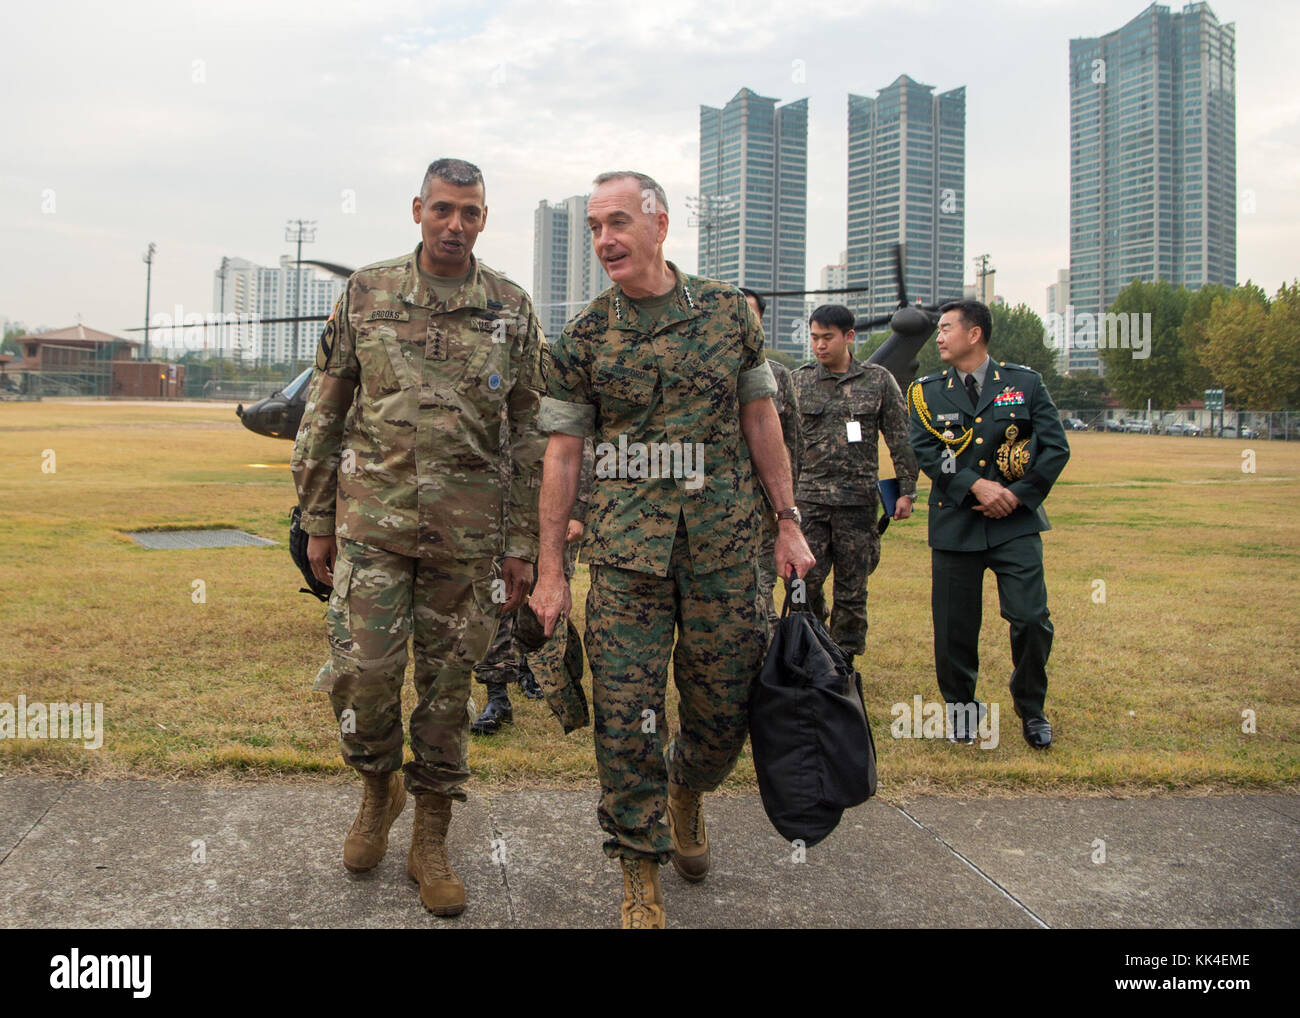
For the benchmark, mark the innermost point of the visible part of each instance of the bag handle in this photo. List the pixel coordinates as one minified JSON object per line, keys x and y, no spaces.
{"x":789,"y":581}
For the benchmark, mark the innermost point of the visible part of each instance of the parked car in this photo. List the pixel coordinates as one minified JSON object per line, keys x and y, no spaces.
{"x":1109,"y":425}
{"x":1073,"y":424}
{"x":1187,"y":428}
{"x":1136,"y":427}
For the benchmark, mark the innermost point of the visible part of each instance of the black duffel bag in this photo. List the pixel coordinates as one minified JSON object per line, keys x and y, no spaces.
{"x":813,"y":750}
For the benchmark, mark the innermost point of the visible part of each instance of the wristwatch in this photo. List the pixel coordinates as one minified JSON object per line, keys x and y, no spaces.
{"x":791,"y":514}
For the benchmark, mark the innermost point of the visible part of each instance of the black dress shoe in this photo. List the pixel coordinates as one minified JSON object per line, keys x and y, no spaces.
{"x":1038,"y":732}
{"x":528,"y":683}
{"x":497,"y":712}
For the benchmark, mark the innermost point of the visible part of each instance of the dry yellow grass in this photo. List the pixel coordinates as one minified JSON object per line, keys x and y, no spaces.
{"x":1147,"y":689}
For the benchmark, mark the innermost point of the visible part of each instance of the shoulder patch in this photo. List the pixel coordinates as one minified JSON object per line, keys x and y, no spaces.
{"x":326,"y":348}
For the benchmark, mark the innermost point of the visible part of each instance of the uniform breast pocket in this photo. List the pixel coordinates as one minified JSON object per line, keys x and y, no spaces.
{"x":627,"y":388}
{"x":863,"y":404}
{"x":1014,"y":415}
{"x":485,"y":373}
{"x":812,"y":409}
{"x":375,"y":346}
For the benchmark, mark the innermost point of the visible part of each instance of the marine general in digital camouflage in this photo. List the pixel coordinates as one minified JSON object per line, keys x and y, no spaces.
{"x":399,"y":455}
{"x":666,"y":371}
{"x":845,"y":404}
{"x":787,"y":409}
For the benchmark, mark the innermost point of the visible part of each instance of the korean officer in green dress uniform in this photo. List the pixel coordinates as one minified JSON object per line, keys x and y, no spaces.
{"x":990,"y":439}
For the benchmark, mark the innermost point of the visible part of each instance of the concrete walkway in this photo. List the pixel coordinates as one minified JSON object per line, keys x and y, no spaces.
{"x":185,"y":854}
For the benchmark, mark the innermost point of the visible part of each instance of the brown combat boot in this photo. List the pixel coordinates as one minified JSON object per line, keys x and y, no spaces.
{"x":690,"y":839}
{"x":382,"y":800}
{"x":440,"y":889}
{"x":643,"y":899}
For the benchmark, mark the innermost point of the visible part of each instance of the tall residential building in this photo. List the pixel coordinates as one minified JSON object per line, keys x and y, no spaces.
{"x":259,"y":292}
{"x":566,"y":272}
{"x":835,"y":277}
{"x":907,"y":182}
{"x":753,"y":205}
{"x":1058,"y":299}
{"x":1153,"y":171}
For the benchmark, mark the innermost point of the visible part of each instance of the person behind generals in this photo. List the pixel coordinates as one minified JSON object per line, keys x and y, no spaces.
{"x":670,"y":364}
{"x":844,"y":405}
{"x":990,"y":439}
{"x":425,"y":358}
{"x":787,"y":409}
{"x":505,"y":661}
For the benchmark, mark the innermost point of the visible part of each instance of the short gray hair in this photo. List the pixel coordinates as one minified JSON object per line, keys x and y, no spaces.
{"x":645,"y":182}
{"x":452,"y":171}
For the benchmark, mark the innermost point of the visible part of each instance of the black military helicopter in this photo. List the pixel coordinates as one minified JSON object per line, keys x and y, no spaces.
{"x":911,"y":325}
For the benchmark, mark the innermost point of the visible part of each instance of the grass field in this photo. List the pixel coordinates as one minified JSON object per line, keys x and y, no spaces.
{"x":1148,"y":688}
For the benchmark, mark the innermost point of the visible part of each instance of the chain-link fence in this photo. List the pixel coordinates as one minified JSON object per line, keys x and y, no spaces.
{"x":1282,"y":425}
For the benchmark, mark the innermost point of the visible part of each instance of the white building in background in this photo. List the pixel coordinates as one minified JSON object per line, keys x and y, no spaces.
{"x":566,"y":272}
{"x":253,"y":293}
{"x":836,"y":277}
{"x":1058,"y":299}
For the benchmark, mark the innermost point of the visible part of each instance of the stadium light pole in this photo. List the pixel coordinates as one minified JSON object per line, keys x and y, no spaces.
{"x":221,"y":317}
{"x":300,"y":230}
{"x":148,"y":284}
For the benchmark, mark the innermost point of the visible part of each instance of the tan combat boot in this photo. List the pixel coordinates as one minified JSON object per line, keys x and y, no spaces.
{"x":643,"y":900}
{"x":382,"y":800}
{"x":690,"y":839}
{"x":440,"y":889}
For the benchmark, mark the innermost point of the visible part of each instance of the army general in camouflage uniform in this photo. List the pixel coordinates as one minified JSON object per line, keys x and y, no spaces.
{"x":844,"y":405}
{"x":398,"y":456}
{"x":787,"y":409}
{"x":666,"y":371}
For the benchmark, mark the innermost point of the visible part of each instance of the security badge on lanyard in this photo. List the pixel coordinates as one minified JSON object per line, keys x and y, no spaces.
{"x":851,"y":427}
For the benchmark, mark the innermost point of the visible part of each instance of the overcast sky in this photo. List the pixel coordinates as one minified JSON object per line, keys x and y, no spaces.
{"x":204,"y":127}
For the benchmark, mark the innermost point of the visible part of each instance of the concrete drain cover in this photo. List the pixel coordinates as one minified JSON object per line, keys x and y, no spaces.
{"x":196,"y":539}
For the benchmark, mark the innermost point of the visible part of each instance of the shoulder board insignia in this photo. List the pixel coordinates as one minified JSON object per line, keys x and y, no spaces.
{"x":388,"y":315}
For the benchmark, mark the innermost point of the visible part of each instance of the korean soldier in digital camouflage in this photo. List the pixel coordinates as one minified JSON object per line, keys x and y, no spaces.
{"x":425,"y":358}
{"x":990,"y":439}
{"x":505,"y":662}
{"x":787,"y":409}
{"x":844,"y":405}
{"x":666,"y":371}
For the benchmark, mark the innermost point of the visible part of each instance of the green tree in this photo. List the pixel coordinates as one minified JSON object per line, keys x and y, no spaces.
{"x":1081,"y":390}
{"x":1252,"y":347}
{"x":1199,"y":303}
{"x":9,"y":344}
{"x":1161,"y":376}
{"x":1018,"y":338}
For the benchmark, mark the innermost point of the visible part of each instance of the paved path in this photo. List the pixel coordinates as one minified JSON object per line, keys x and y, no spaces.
{"x":153,"y":854}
